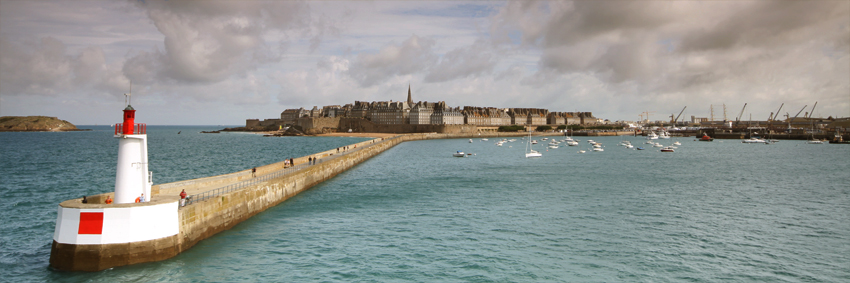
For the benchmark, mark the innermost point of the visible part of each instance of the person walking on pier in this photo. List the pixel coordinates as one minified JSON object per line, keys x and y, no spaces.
{"x":291,"y":162}
{"x":254,"y":172}
{"x":183,"y":198}
{"x":85,"y":200}
{"x":108,"y":200}
{"x":310,"y":160}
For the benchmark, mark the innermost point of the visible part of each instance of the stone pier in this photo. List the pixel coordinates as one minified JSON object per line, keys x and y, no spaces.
{"x":218,"y":203}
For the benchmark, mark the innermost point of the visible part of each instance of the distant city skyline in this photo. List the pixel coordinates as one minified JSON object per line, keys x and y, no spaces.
{"x":221,"y":62}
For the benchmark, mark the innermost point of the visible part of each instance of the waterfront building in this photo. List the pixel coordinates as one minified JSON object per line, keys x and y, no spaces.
{"x":485,"y":116}
{"x":383,"y":112}
{"x":420,"y":113}
{"x":315,"y":112}
{"x":528,"y":116}
{"x":290,"y":115}
{"x":360,"y":109}
{"x":445,"y":115}
{"x":332,"y":111}
{"x":566,"y":118}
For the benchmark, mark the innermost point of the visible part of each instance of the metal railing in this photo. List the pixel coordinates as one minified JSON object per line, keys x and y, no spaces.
{"x":274,"y":175}
{"x":138,"y":128}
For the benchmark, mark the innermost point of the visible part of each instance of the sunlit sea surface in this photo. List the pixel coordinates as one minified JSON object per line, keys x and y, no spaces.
{"x":719,"y":211}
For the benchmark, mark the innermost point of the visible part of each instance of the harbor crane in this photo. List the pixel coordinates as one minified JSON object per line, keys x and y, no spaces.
{"x":795,"y":117}
{"x":674,"y":120}
{"x":773,"y":117}
{"x":813,"y":110}
{"x":647,"y":115}
{"x":738,"y":120}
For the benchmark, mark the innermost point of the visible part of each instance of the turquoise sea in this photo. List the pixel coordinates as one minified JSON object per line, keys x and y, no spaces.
{"x":719,"y":211}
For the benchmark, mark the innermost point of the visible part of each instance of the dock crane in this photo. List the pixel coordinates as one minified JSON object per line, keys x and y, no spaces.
{"x":647,"y":115}
{"x":773,"y":117}
{"x":738,"y":120}
{"x":674,"y":120}
{"x":795,"y":117}
{"x":813,"y":110}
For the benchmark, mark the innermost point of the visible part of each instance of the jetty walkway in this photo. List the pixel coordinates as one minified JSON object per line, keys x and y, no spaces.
{"x":218,"y":203}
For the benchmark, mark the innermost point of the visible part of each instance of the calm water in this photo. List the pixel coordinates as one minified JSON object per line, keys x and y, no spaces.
{"x":720,"y":211}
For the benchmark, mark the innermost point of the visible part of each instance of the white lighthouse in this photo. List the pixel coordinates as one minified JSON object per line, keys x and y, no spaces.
{"x":132,"y":178}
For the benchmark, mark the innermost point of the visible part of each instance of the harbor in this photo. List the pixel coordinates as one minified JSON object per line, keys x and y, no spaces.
{"x":435,"y":219}
{"x":213,"y":204}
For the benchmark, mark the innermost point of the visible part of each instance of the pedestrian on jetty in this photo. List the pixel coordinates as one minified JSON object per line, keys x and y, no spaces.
{"x":108,"y":200}
{"x":292,"y":162}
{"x":183,"y":198}
{"x":254,"y":172}
{"x":85,"y":200}
{"x":310,"y":160}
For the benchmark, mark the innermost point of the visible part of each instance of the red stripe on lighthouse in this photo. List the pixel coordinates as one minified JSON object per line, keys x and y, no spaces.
{"x":91,"y":223}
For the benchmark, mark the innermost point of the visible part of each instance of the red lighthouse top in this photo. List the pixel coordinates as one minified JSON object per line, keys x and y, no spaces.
{"x":129,"y":120}
{"x":129,"y":127}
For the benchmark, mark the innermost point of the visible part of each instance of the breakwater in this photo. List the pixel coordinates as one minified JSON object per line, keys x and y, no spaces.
{"x":215,"y":204}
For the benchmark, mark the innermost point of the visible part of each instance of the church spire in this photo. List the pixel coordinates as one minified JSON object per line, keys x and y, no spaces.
{"x":409,"y":99}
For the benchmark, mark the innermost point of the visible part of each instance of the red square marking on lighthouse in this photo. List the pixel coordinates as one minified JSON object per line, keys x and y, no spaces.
{"x":91,"y":223}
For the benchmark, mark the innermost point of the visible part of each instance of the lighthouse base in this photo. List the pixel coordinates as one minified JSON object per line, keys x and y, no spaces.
{"x":72,"y":257}
{"x":97,"y":236}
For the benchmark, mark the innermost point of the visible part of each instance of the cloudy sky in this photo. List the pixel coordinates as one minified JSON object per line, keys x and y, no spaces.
{"x":221,"y":62}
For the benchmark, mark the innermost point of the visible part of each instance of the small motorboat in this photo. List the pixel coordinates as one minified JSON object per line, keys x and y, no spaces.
{"x":459,"y":154}
{"x":639,"y":148}
{"x":470,"y":140}
{"x":598,"y":149}
{"x":667,"y":149}
{"x":581,"y":151}
{"x":753,"y":140}
{"x":705,"y":137}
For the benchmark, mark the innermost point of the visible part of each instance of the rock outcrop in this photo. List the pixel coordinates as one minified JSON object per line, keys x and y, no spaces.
{"x":35,"y":124}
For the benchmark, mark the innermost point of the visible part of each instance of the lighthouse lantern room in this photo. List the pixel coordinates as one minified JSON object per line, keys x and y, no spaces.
{"x":132,"y":178}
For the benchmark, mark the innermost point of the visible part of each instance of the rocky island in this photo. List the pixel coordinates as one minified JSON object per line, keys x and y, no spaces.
{"x":35,"y":124}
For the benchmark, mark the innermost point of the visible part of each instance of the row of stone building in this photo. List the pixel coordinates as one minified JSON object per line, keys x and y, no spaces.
{"x":434,"y":113}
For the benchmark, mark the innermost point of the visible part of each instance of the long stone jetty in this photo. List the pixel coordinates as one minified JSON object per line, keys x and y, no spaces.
{"x":218,"y":203}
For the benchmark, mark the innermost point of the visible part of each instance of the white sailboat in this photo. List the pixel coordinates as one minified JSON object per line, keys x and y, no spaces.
{"x":529,"y":151}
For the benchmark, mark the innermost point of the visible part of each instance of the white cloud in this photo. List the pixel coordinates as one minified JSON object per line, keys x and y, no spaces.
{"x":462,"y":63}
{"x":412,"y":56}
{"x":220,"y":62}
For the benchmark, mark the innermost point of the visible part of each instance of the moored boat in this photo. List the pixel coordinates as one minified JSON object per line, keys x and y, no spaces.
{"x":753,"y":140}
